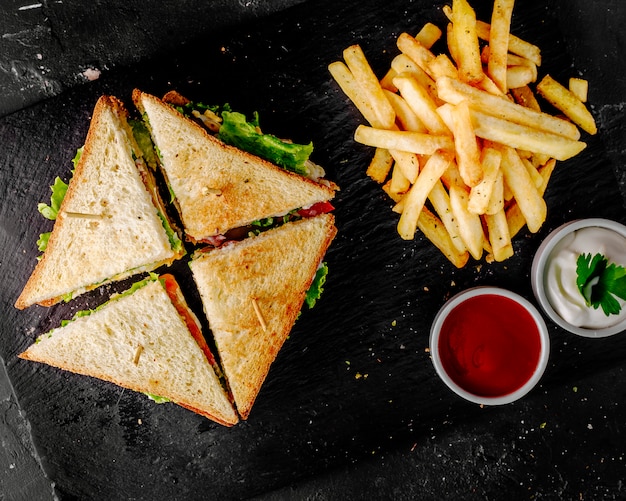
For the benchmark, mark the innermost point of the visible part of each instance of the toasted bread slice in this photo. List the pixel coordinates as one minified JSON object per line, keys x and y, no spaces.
{"x":108,"y":226}
{"x":219,"y":187}
{"x":252,"y":292}
{"x":142,"y":340}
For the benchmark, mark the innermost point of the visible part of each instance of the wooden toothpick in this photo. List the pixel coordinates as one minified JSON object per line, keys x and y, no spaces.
{"x":138,"y":353}
{"x":82,"y":215}
{"x":259,"y":314}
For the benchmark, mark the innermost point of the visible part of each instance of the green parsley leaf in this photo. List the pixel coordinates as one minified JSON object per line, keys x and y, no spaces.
{"x":600,"y":282}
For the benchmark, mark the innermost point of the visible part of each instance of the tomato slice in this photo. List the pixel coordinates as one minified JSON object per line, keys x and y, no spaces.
{"x":173,"y":290}
{"x":316,"y":209}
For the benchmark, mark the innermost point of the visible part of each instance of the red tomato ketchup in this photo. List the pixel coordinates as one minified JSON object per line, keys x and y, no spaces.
{"x":489,"y":345}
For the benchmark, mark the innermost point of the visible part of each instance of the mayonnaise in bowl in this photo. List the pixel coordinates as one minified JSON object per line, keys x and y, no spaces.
{"x":554,"y":275}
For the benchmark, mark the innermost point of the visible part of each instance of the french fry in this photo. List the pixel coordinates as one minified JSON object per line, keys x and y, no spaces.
{"x":380,"y":165}
{"x":514,"y":216}
{"x":470,"y":225}
{"x":421,"y":103}
{"x":452,"y":177}
{"x":499,"y":236}
{"x":415,"y":142}
{"x":538,"y":159}
{"x":532,"y":172}
{"x":396,"y":197}
{"x":579,"y":87}
{"x":454,"y":91}
{"x":496,"y":200}
{"x":428,"y":35}
{"x":440,"y":201}
{"x":563,"y":99}
{"x":406,"y":117}
{"x":452,"y":43}
{"x":519,"y":76}
{"x":402,"y":64}
{"x":499,"y":42}
{"x":514,"y":219}
{"x":418,"y":193}
{"x":516,"y":45}
{"x":507,"y":194}
{"x":480,"y":195}
{"x":408,"y":163}
{"x":446,"y":113}
{"x":387,"y":81}
{"x":524,"y":96}
{"x":342,"y":75}
{"x":466,"y":41}
{"x":369,"y":84}
{"x":419,"y":54}
{"x":442,"y":66}
{"x":469,"y":153}
{"x":399,"y":184}
{"x":546,"y":171}
{"x":488,"y":85}
{"x":512,"y":60}
{"x":527,"y":196}
{"x":466,"y":147}
{"x":434,"y":230}
{"x":524,"y":137}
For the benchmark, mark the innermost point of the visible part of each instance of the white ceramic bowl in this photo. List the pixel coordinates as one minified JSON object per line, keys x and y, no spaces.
{"x":507,"y":359}
{"x":538,"y":274}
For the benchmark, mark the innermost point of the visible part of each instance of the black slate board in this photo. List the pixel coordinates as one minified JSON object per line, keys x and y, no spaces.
{"x":354,"y":379}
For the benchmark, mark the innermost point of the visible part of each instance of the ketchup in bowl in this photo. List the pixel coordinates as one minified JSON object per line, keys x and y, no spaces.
{"x":489,"y":345}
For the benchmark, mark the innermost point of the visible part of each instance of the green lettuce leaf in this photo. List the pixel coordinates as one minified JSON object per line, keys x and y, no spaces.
{"x":175,"y":241}
{"x":144,"y":141}
{"x":245,"y":135}
{"x":317,"y":286}
{"x":134,"y":287}
{"x":42,"y":243}
{"x":59,"y":189}
{"x":236,"y":130}
{"x":157,"y":398}
{"x":76,"y":159}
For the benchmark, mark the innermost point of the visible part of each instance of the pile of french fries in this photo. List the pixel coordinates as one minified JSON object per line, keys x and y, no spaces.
{"x":461,"y":144}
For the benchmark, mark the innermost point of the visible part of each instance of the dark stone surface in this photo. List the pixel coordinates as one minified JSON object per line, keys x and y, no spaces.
{"x":352,"y":408}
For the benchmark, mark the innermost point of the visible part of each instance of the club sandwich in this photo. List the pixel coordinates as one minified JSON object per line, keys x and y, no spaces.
{"x":252,"y":292}
{"x":216,"y":185}
{"x":146,"y":339}
{"x":109,"y":224}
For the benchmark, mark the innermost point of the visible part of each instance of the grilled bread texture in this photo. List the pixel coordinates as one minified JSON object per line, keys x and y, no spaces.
{"x":252,"y":292}
{"x":219,"y":187}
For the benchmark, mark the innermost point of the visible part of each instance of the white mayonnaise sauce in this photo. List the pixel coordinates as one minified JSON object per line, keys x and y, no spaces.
{"x":561,"y":288}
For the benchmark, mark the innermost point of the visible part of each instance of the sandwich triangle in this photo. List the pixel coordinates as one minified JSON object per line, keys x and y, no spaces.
{"x":218,"y":187}
{"x":107,"y":227}
{"x":252,"y":292}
